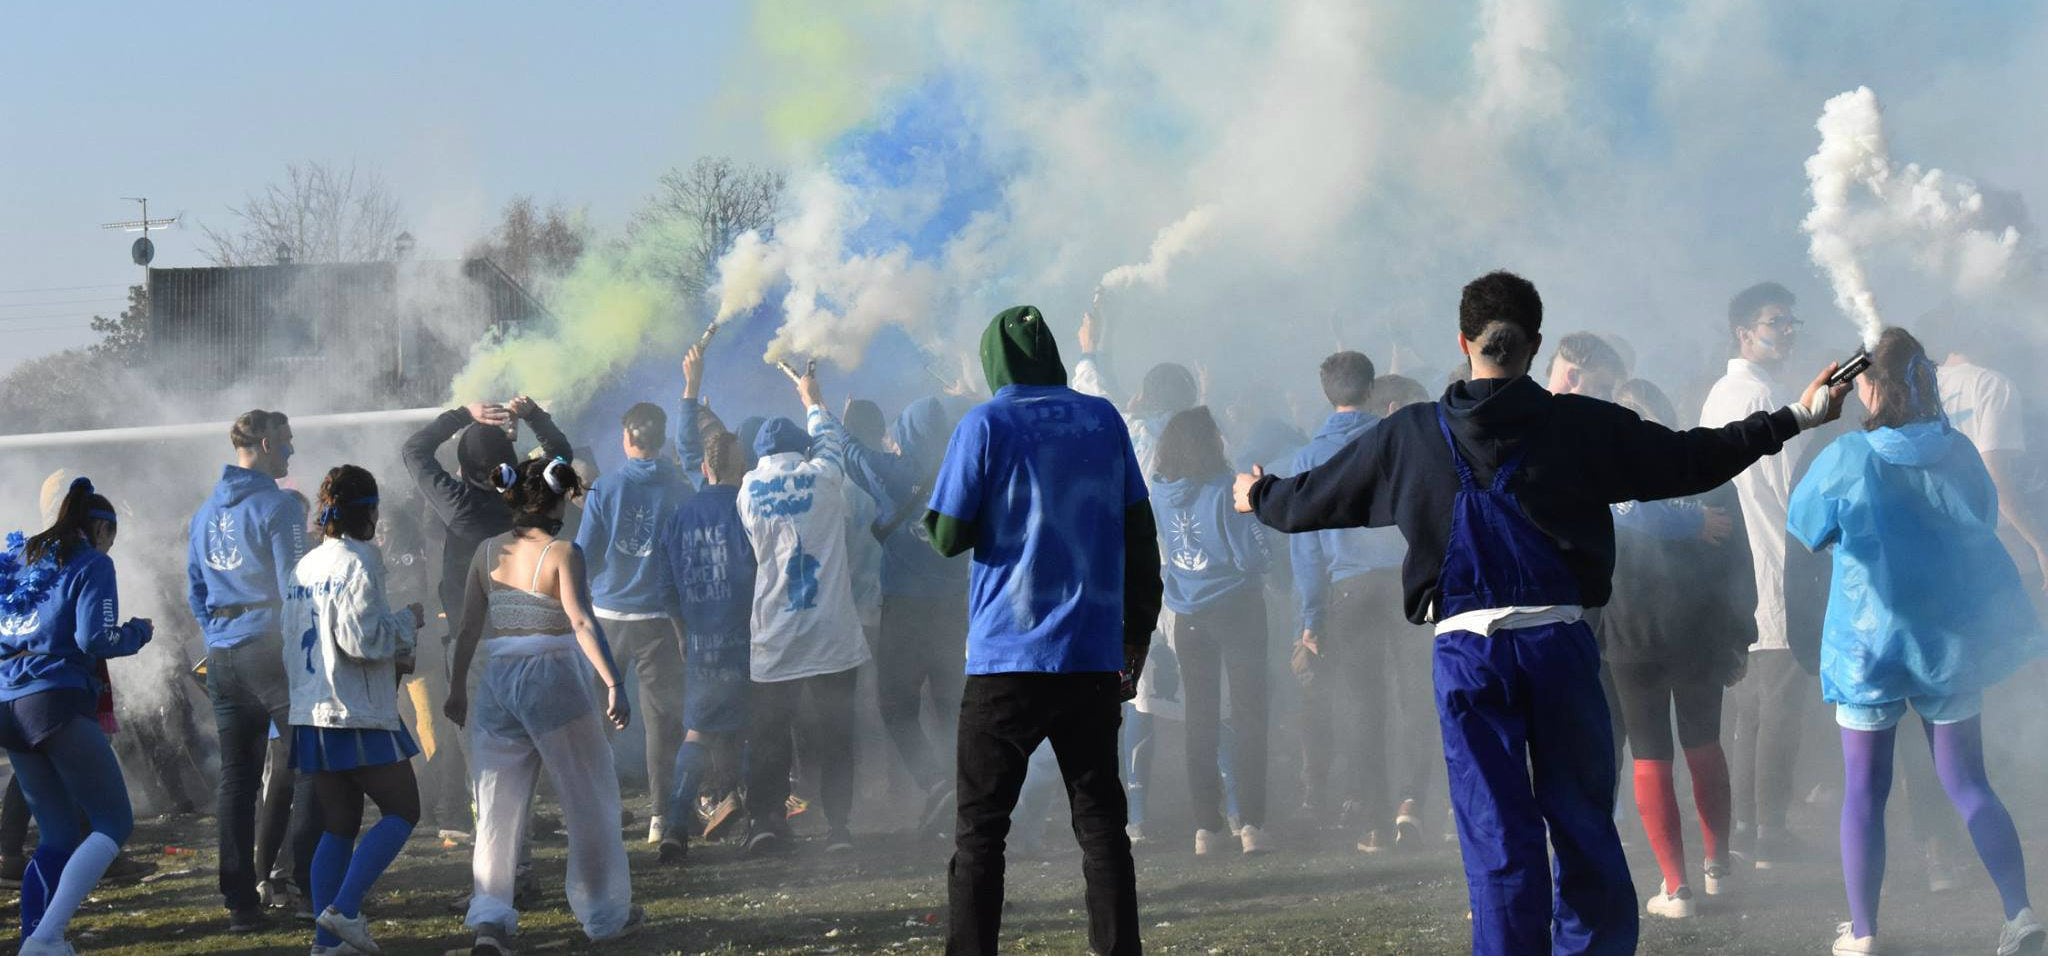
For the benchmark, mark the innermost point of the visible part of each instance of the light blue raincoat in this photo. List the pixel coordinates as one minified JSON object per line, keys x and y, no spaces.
{"x":1924,"y":600}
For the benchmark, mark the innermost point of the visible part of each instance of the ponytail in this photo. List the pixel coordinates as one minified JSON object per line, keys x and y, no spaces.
{"x":81,"y":508}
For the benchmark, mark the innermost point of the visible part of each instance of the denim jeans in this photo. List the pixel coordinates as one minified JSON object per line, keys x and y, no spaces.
{"x":1003,"y":718}
{"x":250,"y":694}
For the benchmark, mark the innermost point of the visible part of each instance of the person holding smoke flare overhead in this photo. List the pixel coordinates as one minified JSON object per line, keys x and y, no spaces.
{"x":1503,"y":492}
{"x":245,"y":541}
{"x":1672,"y":641}
{"x":61,"y":611}
{"x":527,"y":608}
{"x":1042,"y":484}
{"x":1925,"y":612}
{"x":807,"y":638}
{"x":352,"y":651}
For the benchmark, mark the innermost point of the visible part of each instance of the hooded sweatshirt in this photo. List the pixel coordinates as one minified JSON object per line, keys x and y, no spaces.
{"x":343,"y":662}
{"x":1211,"y":549}
{"x":1041,"y":482}
{"x":1582,"y":455}
{"x":622,"y":521}
{"x":467,"y":508}
{"x":244,"y":544}
{"x":1333,"y":555}
{"x":794,"y":506}
{"x":1924,"y":599}
{"x":711,"y":580}
{"x":76,"y":623}
{"x":900,"y":482}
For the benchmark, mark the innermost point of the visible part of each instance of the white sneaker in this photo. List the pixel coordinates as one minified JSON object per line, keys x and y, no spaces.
{"x":37,"y":946}
{"x":2023,"y":935}
{"x":1254,"y":839}
{"x":1714,"y":877}
{"x":657,"y":829}
{"x":355,"y":931}
{"x":1672,"y":904}
{"x":1205,"y":840}
{"x":1846,"y":942}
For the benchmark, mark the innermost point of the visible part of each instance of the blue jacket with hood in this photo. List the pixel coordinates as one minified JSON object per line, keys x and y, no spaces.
{"x":1924,"y":600}
{"x":900,"y":483}
{"x":74,"y":623}
{"x":1333,"y":555}
{"x":623,"y":519}
{"x":245,"y":542}
{"x":1211,"y":549}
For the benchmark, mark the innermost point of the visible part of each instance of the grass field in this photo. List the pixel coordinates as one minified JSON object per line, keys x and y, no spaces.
{"x":1314,"y":895}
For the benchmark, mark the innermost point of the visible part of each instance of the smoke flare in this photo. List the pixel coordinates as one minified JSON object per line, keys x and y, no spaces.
{"x":1171,"y":241}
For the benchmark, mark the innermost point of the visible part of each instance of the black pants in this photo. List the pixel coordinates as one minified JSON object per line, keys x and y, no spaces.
{"x":1646,"y":693}
{"x":922,"y":650}
{"x":654,"y":651}
{"x":1003,"y":718}
{"x":1225,"y":643}
{"x":249,"y":693}
{"x":1391,"y":748}
{"x":1771,"y":703}
{"x":820,"y":709}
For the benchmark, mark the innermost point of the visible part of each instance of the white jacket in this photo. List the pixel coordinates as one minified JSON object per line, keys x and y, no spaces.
{"x":795,"y":510}
{"x":343,"y":640}
{"x":1764,"y":490}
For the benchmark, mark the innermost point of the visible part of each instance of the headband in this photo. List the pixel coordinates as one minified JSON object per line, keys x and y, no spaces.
{"x":104,"y":515}
{"x":333,"y":512}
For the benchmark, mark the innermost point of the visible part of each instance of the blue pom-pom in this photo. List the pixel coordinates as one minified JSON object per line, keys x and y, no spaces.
{"x":16,"y":541}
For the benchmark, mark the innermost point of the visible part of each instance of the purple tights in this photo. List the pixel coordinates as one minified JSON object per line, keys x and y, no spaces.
{"x":1959,"y":762}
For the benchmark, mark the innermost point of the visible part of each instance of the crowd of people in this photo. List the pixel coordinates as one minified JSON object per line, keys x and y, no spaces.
{"x":1023,"y":584}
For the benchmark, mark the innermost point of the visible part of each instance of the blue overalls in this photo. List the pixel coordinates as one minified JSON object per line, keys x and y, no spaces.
{"x":1520,"y":700}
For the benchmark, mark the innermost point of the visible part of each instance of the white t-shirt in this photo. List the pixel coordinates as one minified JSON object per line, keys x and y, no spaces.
{"x":1982,"y":406}
{"x":1764,"y":490}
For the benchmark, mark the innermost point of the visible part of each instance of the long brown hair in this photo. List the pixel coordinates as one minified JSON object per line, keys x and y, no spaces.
{"x":1190,"y":447}
{"x":82,"y":513}
{"x":1904,"y":380}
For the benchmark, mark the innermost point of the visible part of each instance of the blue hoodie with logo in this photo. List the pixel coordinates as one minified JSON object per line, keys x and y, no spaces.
{"x":73,"y":625}
{"x":1333,"y":555}
{"x":246,"y":540}
{"x":1211,"y":549}
{"x":623,"y":519}
{"x":1925,"y":600}
{"x":900,"y":482}
{"x":710,"y":567}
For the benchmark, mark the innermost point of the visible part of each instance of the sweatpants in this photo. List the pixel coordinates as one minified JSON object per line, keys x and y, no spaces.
{"x":533,"y":710}
{"x":653,"y":651}
{"x":819,"y":709}
{"x":1512,"y":703}
{"x":1770,"y":706}
{"x":922,"y":651}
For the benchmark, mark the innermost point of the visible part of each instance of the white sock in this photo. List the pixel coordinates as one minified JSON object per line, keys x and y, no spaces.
{"x":81,"y":875}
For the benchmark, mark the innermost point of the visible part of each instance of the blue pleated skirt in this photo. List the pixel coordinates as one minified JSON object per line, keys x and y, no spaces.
{"x":316,"y":749}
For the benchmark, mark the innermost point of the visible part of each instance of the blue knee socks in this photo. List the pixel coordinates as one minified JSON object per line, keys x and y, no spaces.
{"x":330,"y":863}
{"x":344,"y":870}
{"x":691,"y":761}
{"x":39,"y":882}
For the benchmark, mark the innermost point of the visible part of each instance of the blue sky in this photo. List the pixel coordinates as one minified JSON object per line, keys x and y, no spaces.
{"x":457,"y":106}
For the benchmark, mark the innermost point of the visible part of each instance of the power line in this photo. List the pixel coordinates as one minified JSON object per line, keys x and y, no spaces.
{"x":4,"y":320}
{"x":66,"y":302}
{"x":64,"y":289}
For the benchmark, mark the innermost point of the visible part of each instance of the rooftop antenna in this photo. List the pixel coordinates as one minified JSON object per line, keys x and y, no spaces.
{"x":143,"y":251}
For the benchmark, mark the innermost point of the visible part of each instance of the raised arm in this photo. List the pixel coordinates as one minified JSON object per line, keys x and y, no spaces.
{"x":444,"y":493}
{"x":553,"y":444}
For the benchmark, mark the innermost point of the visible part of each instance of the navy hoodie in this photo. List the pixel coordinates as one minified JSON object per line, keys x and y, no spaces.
{"x":58,"y":644}
{"x":1583,"y":455}
{"x":623,"y":518}
{"x":900,"y":483}
{"x":1211,"y":550}
{"x":1333,"y":555}
{"x":710,"y":568}
{"x":245,"y":542}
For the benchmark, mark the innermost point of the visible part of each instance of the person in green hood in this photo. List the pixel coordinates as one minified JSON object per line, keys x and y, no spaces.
{"x":1041,"y":483}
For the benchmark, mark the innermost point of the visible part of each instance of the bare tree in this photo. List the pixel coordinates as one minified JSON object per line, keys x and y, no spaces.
{"x":703,"y":210}
{"x":319,"y":214}
{"x":535,"y":246}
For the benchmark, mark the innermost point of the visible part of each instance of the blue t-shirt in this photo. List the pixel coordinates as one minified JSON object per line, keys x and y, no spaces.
{"x":1044,"y":475}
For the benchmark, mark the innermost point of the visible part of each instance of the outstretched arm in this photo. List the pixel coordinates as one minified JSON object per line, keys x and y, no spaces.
{"x":1648,"y":461}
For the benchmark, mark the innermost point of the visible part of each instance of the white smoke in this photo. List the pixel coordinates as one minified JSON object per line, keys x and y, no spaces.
{"x":1172,"y":240}
{"x":1862,"y":203}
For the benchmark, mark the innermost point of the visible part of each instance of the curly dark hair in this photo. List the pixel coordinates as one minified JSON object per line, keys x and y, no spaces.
{"x":534,"y":489}
{"x":348,"y":503}
{"x":1501,"y":314}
